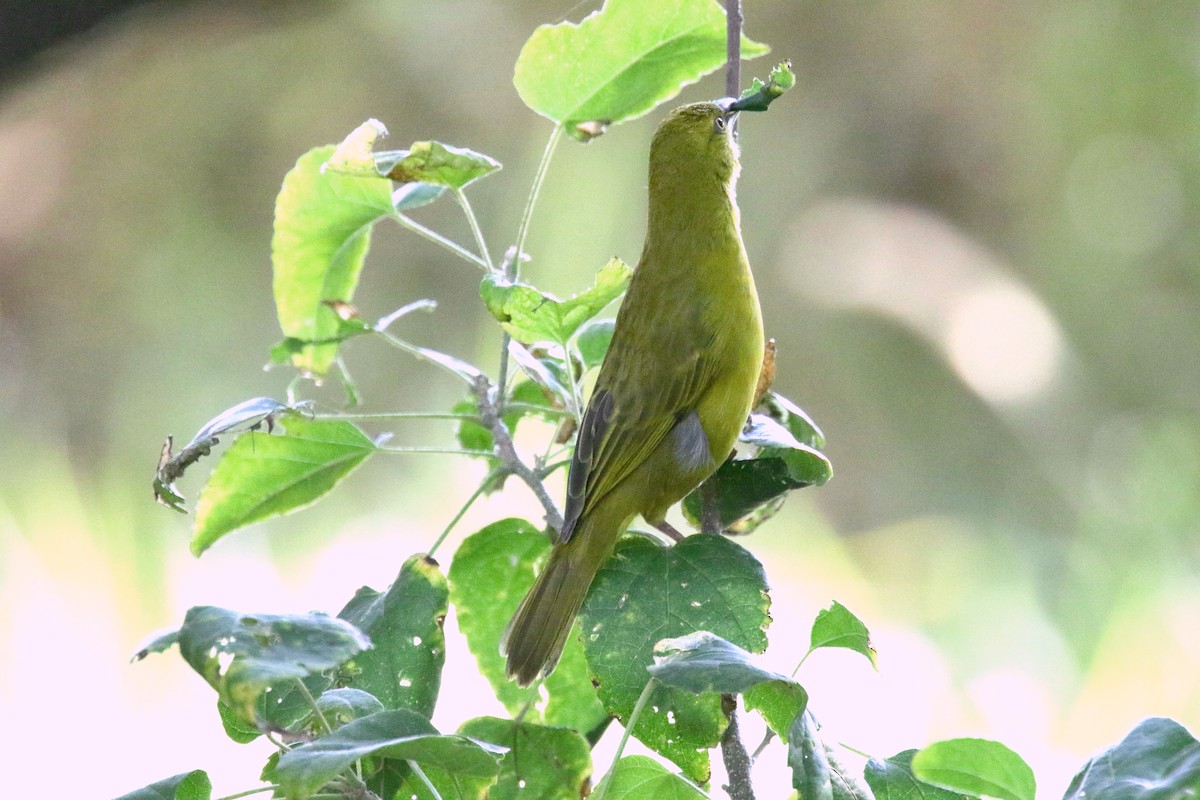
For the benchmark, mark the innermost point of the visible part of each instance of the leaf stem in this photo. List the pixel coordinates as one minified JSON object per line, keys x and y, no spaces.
{"x":312,"y":703}
{"x":249,"y":792}
{"x":638,"y":707}
{"x":461,"y":197}
{"x":442,"y":451}
{"x":420,"y":773}
{"x":513,"y":265}
{"x":437,"y":238}
{"x":462,"y":511}
{"x":385,"y":322}
{"x":401,"y":415}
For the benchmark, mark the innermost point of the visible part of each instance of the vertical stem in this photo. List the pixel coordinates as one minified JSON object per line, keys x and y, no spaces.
{"x":642,"y":700}
{"x":733,"y":47}
{"x":513,"y":269}
{"x":710,"y":515}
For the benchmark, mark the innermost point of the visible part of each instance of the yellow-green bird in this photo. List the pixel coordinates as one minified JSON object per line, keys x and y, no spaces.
{"x":677,"y":383}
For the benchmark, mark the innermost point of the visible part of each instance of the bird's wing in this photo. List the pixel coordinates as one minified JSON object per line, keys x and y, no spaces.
{"x":627,"y":417}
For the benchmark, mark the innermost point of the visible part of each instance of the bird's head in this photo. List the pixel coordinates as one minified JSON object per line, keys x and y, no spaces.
{"x":697,"y":136}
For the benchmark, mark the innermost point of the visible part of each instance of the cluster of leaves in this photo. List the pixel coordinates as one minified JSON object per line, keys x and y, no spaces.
{"x":668,"y":635}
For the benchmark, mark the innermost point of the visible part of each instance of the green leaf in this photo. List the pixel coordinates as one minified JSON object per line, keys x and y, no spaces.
{"x":837,"y":627}
{"x":396,"y":780}
{"x":240,"y":655}
{"x":323,"y":224}
{"x":415,"y":195}
{"x":794,"y":418}
{"x":648,"y":592}
{"x":702,"y":662}
{"x":760,"y":95}
{"x":779,"y":702}
{"x":817,"y":774}
{"x":806,"y":465}
{"x":287,"y":349}
{"x":491,"y":572}
{"x":542,"y":762}
{"x":235,"y":727}
{"x":193,"y":785}
{"x":262,"y":475}
{"x":975,"y":766}
{"x":157,"y":643}
{"x":544,"y":365}
{"x":435,"y":164}
{"x":530,"y":315}
{"x":341,"y":706}
{"x":748,"y":492}
{"x":1158,"y":760}
{"x":404,"y":668}
{"x":395,"y":734}
{"x":894,"y":780}
{"x":639,"y":778}
{"x":622,"y":61}
{"x":593,"y":340}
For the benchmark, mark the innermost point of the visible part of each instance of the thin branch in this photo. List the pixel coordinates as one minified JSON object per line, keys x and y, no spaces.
{"x":512,"y":266}
{"x":462,"y":511}
{"x":420,"y":773}
{"x":461,"y":197}
{"x":733,"y":47}
{"x":437,"y":238}
{"x":638,"y":707}
{"x":489,"y":416}
{"x":733,"y":753}
{"x":758,"y":751}
{"x":710,"y":515}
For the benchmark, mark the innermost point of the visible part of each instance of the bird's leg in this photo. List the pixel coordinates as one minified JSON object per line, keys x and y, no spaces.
{"x":668,"y":529}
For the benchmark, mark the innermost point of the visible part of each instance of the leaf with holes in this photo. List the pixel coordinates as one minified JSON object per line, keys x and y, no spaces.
{"x":543,"y":762}
{"x":240,"y":655}
{"x":648,"y":592}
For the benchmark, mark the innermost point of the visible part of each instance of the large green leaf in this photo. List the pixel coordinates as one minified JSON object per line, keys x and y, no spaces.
{"x":979,"y":767}
{"x":1158,"y":760}
{"x":836,"y":626}
{"x":491,"y":572}
{"x":542,"y":762}
{"x":648,"y":592}
{"x":779,"y":702}
{"x":396,"y":734}
{"x":263,"y":475}
{"x":893,"y":779}
{"x":193,"y":785}
{"x":639,"y":778}
{"x":240,"y":655}
{"x":404,"y":668}
{"x":323,"y":222}
{"x":531,"y":315}
{"x":621,"y":61}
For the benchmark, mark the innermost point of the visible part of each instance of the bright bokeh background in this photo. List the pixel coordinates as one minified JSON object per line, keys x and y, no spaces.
{"x":974,"y":229}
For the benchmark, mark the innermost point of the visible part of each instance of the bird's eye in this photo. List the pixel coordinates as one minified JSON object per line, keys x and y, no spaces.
{"x":719,"y":125}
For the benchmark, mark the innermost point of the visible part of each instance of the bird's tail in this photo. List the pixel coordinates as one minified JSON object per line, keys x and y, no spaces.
{"x":535,"y":637}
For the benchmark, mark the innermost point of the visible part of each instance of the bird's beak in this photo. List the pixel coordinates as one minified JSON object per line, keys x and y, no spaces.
{"x":729,"y":106}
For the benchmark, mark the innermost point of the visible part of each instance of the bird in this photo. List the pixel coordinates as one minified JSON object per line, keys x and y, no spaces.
{"x":675,"y":387}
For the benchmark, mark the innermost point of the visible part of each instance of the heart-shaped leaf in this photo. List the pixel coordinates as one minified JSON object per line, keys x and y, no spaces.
{"x":622,"y":61}
{"x":648,"y":592}
{"x":639,"y":777}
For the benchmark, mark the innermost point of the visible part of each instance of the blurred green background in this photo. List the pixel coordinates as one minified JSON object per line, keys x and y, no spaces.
{"x":974,"y":230}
